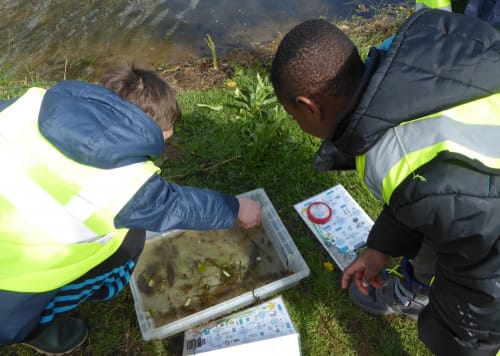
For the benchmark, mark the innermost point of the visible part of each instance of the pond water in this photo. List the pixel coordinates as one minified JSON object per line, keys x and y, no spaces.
{"x":53,"y":37}
{"x":188,"y":271}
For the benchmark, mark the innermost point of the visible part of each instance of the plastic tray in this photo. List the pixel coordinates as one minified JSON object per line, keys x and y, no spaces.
{"x":286,"y":250}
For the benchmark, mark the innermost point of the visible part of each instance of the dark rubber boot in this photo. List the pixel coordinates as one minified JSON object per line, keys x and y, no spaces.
{"x":392,"y":298}
{"x":405,"y":296}
{"x":59,"y":337}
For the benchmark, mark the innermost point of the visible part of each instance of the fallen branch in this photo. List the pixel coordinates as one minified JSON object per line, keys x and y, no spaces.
{"x":204,"y":169}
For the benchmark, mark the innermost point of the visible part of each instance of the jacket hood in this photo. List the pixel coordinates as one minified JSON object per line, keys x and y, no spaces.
{"x":437,"y":60}
{"x":94,"y":126}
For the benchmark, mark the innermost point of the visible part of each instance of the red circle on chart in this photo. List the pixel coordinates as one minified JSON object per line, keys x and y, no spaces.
{"x":319,"y":212}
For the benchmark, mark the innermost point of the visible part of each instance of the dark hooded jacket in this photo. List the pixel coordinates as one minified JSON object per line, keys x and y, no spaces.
{"x":436,"y":61}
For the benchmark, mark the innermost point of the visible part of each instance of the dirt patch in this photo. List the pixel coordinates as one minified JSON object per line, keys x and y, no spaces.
{"x":201,"y":75}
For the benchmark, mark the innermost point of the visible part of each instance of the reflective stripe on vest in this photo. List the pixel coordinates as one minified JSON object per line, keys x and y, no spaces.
{"x":57,"y":215}
{"x":471,"y":130}
{"x":433,"y":4}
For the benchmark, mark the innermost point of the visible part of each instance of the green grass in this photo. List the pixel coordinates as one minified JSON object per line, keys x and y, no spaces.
{"x":241,"y":143}
{"x":11,"y":86}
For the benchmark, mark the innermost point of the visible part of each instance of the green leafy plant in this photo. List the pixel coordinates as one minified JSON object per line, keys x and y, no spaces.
{"x":256,"y":99}
{"x":262,"y":116}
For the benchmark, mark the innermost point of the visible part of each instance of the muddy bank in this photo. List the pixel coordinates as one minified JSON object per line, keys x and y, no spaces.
{"x":199,"y":74}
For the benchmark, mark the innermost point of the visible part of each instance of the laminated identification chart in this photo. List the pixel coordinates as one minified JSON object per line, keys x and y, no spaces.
{"x":338,"y":222}
{"x":265,"y":329}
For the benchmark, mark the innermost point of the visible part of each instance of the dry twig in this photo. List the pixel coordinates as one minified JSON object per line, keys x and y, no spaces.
{"x":204,"y":169}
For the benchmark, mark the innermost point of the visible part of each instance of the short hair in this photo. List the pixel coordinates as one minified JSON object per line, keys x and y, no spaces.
{"x":146,"y":89}
{"x":316,"y":58}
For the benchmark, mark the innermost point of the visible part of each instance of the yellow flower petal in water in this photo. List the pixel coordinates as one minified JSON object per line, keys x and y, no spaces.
{"x":232,"y":84}
{"x":328,"y":266}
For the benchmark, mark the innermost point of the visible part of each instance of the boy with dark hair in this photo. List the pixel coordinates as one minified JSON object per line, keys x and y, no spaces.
{"x":77,"y":192}
{"x":420,"y":124}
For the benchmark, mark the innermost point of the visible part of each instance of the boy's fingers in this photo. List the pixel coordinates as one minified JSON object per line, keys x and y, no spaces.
{"x":346,"y":277}
{"x":377,"y":281}
{"x":368,"y":278}
{"x":362,"y":288}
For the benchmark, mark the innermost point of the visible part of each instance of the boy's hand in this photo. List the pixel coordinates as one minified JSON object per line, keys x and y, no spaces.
{"x":249,"y":213}
{"x":365,"y":270}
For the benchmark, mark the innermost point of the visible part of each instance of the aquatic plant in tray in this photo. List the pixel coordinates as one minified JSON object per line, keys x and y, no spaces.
{"x":192,"y":270}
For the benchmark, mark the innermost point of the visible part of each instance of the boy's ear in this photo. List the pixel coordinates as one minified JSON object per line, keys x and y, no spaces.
{"x":311,"y":106}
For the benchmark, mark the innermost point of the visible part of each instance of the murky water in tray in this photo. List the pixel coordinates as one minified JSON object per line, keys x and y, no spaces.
{"x":193,"y":270}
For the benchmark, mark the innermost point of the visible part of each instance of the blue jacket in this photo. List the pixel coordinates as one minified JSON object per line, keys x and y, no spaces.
{"x":94,"y":126}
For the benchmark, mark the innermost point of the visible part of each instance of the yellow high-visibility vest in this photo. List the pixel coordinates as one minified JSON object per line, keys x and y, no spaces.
{"x":56,"y":215}
{"x":433,"y":4}
{"x":471,"y":130}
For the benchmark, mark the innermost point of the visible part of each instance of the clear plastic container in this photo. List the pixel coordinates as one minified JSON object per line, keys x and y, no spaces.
{"x":278,"y":238}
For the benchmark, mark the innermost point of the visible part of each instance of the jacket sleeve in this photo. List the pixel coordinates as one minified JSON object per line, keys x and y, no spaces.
{"x":329,"y":158}
{"x":456,"y":208}
{"x":160,"y":206}
{"x":392,"y":237}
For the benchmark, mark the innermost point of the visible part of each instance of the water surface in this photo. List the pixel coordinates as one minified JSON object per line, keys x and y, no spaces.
{"x":50,"y":37}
